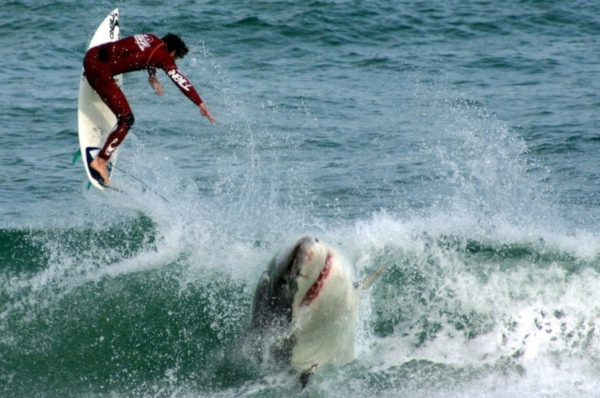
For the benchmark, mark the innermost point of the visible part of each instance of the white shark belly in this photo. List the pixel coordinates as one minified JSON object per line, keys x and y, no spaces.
{"x":325,"y":329}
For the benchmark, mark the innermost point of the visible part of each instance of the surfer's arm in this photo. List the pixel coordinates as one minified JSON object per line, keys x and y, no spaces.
{"x":154,"y":81}
{"x":164,"y":61}
{"x":186,"y":88}
{"x":184,"y":85}
{"x":205,"y":112}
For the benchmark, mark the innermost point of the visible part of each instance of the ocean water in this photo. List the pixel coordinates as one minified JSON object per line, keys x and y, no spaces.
{"x":456,"y":142}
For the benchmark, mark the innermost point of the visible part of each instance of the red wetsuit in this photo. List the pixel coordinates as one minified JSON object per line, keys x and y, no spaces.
{"x":143,"y":51}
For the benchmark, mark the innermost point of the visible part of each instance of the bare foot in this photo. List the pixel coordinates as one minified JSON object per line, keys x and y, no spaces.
{"x":100,"y":166}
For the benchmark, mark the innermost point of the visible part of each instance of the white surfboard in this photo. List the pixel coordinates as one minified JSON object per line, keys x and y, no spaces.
{"x":95,"y":119}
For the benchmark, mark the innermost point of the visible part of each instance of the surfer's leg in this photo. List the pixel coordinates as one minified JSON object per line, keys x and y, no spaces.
{"x":117,"y":135}
{"x":114,"y":98}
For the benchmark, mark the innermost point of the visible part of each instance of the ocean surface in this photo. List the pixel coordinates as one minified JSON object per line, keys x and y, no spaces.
{"x":458,"y":142}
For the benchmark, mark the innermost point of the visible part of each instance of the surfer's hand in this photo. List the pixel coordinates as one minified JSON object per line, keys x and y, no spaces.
{"x":156,"y":85}
{"x":205,"y":112}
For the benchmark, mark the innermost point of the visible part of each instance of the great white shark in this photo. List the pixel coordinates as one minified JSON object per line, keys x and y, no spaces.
{"x":305,"y":309}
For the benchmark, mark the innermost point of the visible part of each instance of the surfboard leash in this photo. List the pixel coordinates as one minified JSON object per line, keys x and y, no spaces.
{"x":146,"y":186}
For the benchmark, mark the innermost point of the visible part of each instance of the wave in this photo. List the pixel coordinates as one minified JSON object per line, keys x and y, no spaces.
{"x":122,"y":316}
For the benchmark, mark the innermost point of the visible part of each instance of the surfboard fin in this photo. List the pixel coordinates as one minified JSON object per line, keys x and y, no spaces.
{"x":368,"y":281}
{"x":77,"y":155}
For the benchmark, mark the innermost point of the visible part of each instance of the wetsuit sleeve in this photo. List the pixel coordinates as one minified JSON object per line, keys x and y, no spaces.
{"x":161,"y":59}
{"x":184,"y":85}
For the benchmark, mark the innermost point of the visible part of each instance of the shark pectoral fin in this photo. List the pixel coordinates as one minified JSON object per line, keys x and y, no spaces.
{"x":368,"y":281}
{"x":305,"y":376}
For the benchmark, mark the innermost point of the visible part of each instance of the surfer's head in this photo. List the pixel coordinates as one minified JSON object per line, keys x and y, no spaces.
{"x":174,"y":43}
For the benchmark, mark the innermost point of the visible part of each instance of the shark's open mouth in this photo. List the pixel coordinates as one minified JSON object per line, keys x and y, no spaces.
{"x":315,"y":289}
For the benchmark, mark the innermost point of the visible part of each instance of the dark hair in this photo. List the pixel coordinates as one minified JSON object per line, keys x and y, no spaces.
{"x":174,"y":43}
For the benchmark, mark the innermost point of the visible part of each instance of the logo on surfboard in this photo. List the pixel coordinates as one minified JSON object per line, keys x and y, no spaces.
{"x":113,"y":23}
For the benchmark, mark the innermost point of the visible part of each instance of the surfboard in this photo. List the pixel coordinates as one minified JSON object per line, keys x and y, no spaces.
{"x":95,"y":120}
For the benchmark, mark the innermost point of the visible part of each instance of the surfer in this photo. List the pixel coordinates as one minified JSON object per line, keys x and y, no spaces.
{"x":142,"y":51}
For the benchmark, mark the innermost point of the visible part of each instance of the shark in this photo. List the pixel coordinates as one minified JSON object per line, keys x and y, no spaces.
{"x":305,"y":307}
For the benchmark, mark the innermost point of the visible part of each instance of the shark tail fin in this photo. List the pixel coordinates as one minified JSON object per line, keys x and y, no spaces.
{"x":368,"y":281}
